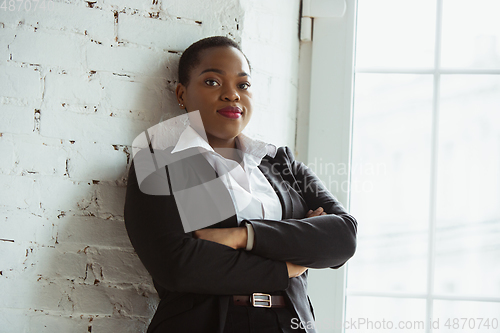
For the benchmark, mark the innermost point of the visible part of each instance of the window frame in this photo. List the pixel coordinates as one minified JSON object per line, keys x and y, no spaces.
{"x":325,"y":96}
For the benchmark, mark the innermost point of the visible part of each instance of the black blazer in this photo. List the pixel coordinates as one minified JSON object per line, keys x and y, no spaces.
{"x":195,"y":277}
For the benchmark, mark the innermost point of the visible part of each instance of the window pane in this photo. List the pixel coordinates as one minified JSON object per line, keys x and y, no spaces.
{"x":471,"y":34}
{"x":390,"y":181}
{"x":479,"y":316}
{"x":395,"y":33}
{"x":468,"y":209}
{"x":399,"y":313}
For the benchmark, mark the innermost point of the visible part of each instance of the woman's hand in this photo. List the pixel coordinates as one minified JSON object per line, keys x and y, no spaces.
{"x":295,"y":270}
{"x":319,"y":211}
{"x":232,"y":237}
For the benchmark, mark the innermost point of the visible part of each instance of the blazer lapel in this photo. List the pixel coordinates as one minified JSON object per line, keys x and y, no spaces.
{"x":279,"y":187}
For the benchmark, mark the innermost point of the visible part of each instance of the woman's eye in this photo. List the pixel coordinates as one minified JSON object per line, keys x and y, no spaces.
{"x":245,"y":85}
{"x":211,"y":82}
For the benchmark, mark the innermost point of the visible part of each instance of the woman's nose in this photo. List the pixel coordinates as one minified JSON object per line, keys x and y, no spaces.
{"x":230,"y":94}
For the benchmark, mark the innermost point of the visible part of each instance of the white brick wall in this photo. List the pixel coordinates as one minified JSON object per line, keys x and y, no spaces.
{"x":77,"y":84}
{"x":20,"y":82}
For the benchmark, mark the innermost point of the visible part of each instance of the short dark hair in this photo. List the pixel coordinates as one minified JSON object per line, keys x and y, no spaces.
{"x":191,"y":56}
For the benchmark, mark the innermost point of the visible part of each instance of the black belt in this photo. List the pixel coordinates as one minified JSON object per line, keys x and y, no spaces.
{"x":260,"y":300}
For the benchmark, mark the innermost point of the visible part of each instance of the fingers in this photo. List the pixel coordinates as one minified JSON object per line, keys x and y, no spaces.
{"x":317,"y":212}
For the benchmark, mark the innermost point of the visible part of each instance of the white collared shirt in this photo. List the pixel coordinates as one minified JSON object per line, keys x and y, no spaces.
{"x":252,"y":194}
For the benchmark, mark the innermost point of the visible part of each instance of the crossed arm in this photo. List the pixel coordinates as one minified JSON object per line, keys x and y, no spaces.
{"x":320,"y":239}
{"x":236,"y":238}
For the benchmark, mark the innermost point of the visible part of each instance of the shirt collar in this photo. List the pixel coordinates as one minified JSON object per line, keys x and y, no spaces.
{"x":255,"y":147}
{"x":189,"y":138}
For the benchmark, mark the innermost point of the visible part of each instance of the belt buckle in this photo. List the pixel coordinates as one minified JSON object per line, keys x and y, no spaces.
{"x":268,"y":300}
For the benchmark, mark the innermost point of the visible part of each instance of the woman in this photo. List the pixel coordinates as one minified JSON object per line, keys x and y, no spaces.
{"x":211,"y":279}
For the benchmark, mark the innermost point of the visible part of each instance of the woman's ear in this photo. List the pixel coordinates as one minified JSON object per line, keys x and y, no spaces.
{"x":179,"y":92}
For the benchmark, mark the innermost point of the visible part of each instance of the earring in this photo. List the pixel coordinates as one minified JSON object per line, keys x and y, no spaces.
{"x":181,"y":105}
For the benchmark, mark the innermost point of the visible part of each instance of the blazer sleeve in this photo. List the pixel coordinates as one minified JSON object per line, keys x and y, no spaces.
{"x":179,"y":262}
{"x":325,"y":241}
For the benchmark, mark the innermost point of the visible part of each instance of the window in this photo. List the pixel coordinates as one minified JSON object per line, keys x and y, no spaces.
{"x":425,"y":176}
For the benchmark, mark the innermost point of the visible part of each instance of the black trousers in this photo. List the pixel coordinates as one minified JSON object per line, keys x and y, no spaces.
{"x":249,"y":319}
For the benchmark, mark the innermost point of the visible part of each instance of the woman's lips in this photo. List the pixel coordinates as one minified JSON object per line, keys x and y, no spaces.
{"x":230,"y":112}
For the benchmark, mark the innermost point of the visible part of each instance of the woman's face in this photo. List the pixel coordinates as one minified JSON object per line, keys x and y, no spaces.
{"x":220,"y":80}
